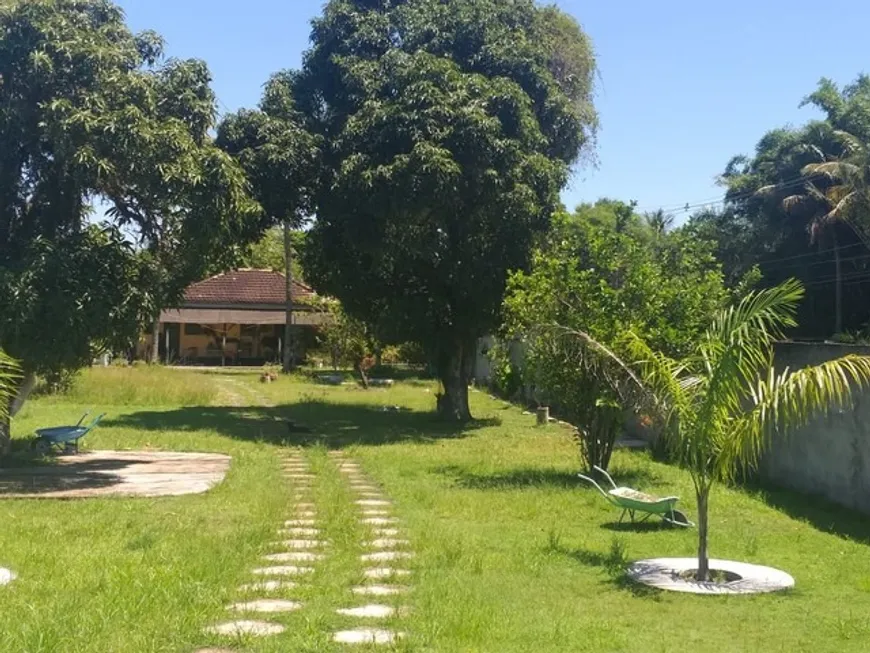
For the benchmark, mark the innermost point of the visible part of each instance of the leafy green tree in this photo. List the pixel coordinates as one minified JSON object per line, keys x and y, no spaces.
{"x":268,"y":252}
{"x":347,"y":340}
{"x":724,"y":402}
{"x":89,"y":113}
{"x":593,"y":276}
{"x":449,"y":130}
{"x":281,"y":159}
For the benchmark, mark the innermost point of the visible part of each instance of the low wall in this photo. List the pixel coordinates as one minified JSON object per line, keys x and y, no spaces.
{"x":831,"y":456}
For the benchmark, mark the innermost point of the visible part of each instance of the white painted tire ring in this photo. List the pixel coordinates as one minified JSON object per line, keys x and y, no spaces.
{"x":664,"y":573}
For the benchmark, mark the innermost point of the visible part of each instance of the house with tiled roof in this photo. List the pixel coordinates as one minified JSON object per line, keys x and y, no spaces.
{"x":237,"y":317}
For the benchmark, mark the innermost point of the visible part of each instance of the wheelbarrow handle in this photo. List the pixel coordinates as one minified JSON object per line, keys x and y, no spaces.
{"x":82,"y":419}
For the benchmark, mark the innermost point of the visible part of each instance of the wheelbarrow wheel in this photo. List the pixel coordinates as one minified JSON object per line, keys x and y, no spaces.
{"x":41,"y":446}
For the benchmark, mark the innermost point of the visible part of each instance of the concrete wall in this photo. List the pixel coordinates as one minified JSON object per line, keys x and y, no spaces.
{"x":831,"y":456}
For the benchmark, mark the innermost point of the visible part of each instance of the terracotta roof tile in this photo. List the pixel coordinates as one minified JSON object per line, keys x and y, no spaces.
{"x":245,"y":287}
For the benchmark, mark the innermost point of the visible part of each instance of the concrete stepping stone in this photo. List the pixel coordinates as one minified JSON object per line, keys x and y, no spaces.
{"x":214,"y":650}
{"x":372,"y":502}
{"x":380,"y":521}
{"x":372,"y":495}
{"x":299,"y":531}
{"x":305,"y":506}
{"x":366,"y":636}
{"x":294,"y":556}
{"x":306,"y":514}
{"x":375,"y":512}
{"x":265,"y":605}
{"x":372,"y":611}
{"x":385,"y":532}
{"x":268,"y":586}
{"x":301,"y":477}
{"x":301,"y":544}
{"x":381,"y":556}
{"x":379,"y":573}
{"x":282,"y":570}
{"x":386,"y":543}
{"x":246,"y":627}
{"x":378,"y":590}
{"x":300,"y":522}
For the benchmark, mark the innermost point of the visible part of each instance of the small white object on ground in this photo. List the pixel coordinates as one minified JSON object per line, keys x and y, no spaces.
{"x":366,"y":636}
{"x":301,"y":544}
{"x":282,"y":570}
{"x":265,"y":605}
{"x":378,"y":590}
{"x":385,"y":572}
{"x":294,"y":556}
{"x":667,"y":574}
{"x":6,"y":576}
{"x":373,"y":611}
{"x":268,"y":586}
{"x":381,"y":556}
{"x":246,"y":627}
{"x":386,"y":543}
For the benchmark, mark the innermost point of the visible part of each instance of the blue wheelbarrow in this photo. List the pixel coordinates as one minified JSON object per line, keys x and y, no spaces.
{"x":64,"y":439}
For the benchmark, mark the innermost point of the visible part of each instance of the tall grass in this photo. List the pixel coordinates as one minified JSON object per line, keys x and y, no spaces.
{"x":141,"y":386}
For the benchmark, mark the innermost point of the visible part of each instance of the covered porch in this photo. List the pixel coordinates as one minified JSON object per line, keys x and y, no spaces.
{"x":194,"y":336}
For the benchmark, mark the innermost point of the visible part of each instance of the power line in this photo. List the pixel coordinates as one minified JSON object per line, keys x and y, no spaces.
{"x":684,"y":208}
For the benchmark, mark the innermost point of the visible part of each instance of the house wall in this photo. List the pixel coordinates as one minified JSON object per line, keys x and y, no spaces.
{"x":831,"y":456}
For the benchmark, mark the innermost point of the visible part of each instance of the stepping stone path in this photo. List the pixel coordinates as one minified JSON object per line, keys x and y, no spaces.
{"x":376,"y":513}
{"x":301,"y":525}
{"x":296,"y":556}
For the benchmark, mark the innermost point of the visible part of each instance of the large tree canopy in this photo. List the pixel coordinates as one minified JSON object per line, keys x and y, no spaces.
{"x":281,"y":159}
{"x":449,"y":130}
{"x":90,"y":115}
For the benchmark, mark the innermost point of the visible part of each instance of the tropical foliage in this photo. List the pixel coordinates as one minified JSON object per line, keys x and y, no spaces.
{"x":724,"y":402}
{"x":603,"y":271}
{"x":800,"y":208}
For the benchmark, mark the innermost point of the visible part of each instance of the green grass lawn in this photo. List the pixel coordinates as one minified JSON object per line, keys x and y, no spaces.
{"x":513,"y":552}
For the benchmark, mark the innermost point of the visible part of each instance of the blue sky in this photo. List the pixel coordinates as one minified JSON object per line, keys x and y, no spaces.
{"x":684,"y":84}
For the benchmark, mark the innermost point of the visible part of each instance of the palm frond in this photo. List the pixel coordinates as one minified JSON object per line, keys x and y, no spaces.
{"x":784,"y":402}
{"x":667,"y":382}
{"x":851,"y":143}
{"x":10,"y":373}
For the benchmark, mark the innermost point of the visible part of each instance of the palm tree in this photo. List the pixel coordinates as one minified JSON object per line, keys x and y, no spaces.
{"x":9,"y":377}
{"x":836,"y":190}
{"x":721,"y":405}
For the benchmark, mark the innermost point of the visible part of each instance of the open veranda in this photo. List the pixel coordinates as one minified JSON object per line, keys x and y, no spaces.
{"x":505,"y":549}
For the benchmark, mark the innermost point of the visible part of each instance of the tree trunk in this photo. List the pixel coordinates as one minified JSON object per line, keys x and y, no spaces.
{"x":288,"y":310}
{"x":703,"y":560}
{"x":838,"y":292}
{"x":155,"y":341}
{"x":28,"y":383}
{"x":362,"y":374}
{"x":454,"y":372}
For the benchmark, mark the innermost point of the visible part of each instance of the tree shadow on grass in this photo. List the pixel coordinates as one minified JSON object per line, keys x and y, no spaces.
{"x":822,"y":514}
{"x":533,"y":477}
{"x":614,"y":564}
{"x":307,"y":423}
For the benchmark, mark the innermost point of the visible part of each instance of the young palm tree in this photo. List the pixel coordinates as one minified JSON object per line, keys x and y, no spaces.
{"x":9,"y":377}
{"x":725,"y":402}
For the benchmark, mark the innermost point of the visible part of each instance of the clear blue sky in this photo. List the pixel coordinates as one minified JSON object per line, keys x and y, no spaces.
{"x":684,"y":84}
